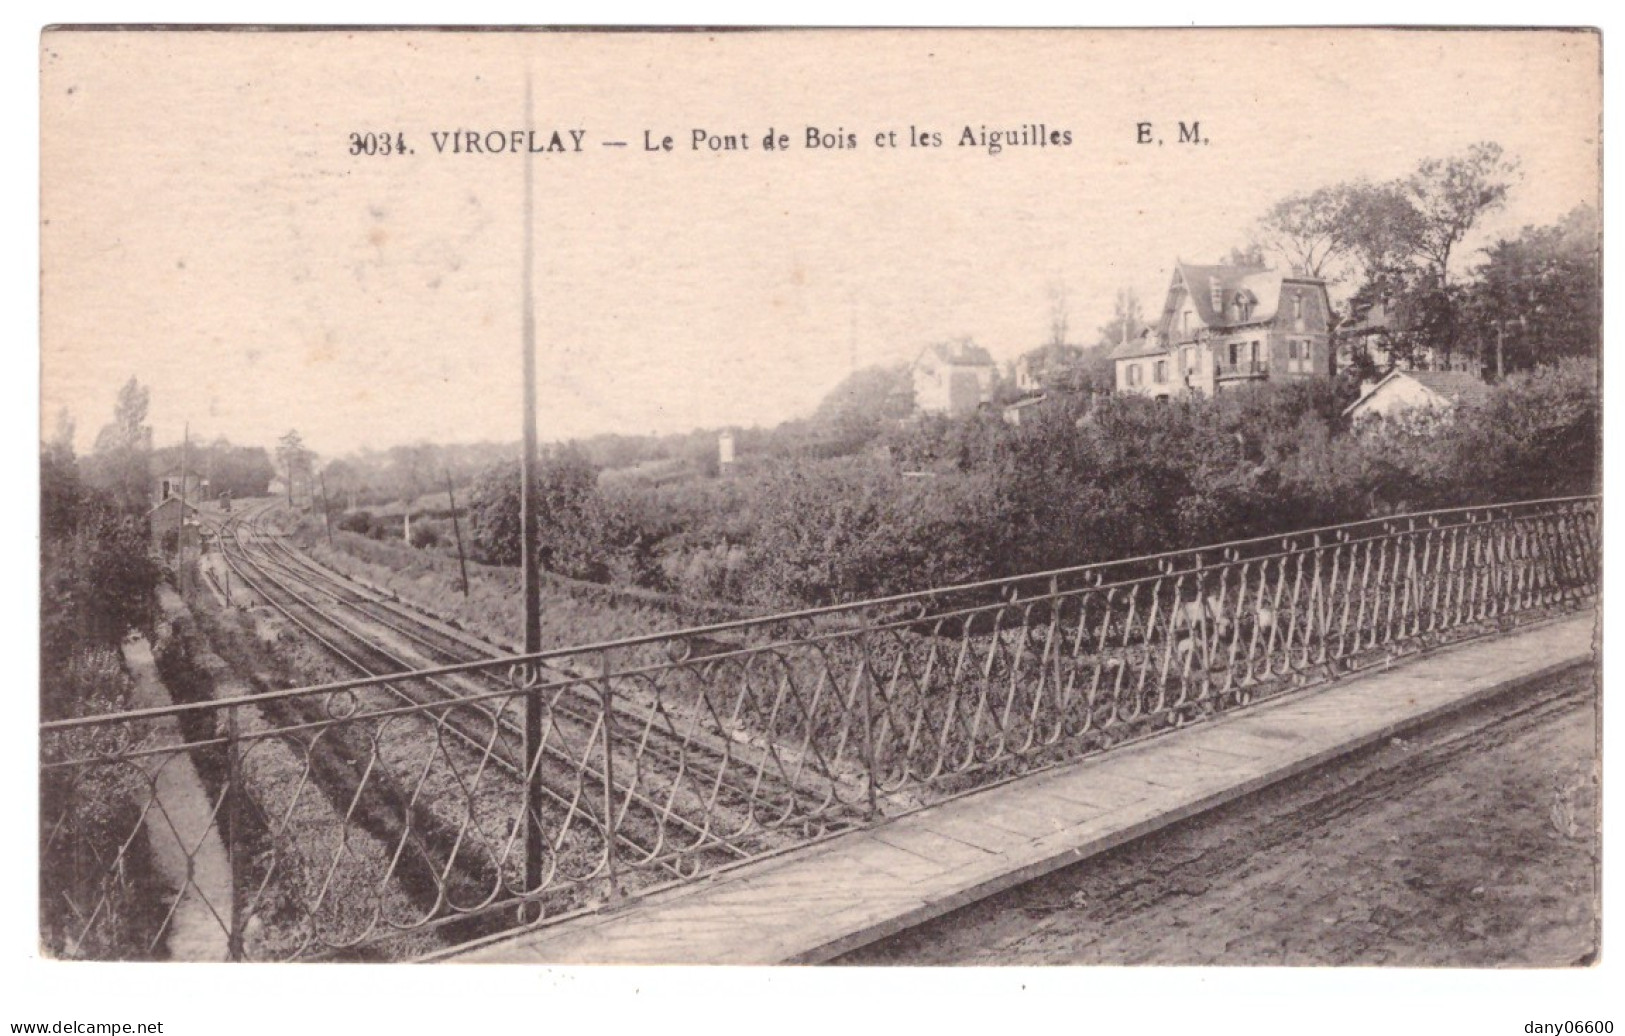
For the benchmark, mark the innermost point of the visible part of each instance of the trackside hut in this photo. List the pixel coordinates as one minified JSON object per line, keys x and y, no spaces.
{"x":170,"y":519}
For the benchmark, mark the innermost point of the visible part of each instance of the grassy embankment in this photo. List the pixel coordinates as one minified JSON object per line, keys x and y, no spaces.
{"x":572,"y":612}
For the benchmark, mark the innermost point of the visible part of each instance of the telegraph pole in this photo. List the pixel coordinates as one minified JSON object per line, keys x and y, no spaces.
{"x":534,"y":847}
{"x":327,"y":512}
{"x":180,"y":529}
{"x":457,"y":529}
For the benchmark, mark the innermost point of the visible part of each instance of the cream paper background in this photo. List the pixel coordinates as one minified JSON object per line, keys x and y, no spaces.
{"x":204,"y":229}
{"x":207,"y":230}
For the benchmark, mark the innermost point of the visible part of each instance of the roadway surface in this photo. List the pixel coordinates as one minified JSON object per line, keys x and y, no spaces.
{"x":1472,"y":842}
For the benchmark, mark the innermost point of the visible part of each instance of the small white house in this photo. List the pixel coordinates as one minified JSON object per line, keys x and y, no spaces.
{"x":1403,"y":391}
{"x":953,"y":378}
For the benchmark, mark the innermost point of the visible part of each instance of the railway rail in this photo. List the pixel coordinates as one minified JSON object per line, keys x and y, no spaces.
{"x":669,"y":750}
{"x":314,"y":600}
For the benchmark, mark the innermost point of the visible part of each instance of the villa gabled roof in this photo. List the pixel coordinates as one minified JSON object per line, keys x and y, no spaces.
{"x":959,"y":353}
{"x":1260,"y":286}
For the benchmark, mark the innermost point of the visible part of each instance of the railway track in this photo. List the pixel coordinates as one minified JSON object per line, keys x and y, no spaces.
{"x":688,"y":755}
{"x":686,"y":795}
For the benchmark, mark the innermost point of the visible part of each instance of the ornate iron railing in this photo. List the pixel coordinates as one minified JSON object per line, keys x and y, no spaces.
{"x":387,"y":817}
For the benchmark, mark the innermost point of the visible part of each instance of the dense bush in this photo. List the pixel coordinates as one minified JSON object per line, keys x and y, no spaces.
{"x":96,"y":581}
{"x":96,"y":570}
{"x":943,"y":501}
{"x":428,"y":533}
{"x":358,"y":522}
{"x":566,"y":523}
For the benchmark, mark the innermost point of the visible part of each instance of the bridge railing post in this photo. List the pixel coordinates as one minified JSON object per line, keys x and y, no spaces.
{"x":234,"y":837}
{"x":866,"y":690}
{"x":531,"y":796}
{"x":606,"y":698}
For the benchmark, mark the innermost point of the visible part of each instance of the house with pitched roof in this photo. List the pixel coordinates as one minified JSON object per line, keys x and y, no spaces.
{"x":1406,"y":391}
{"x":954,"y":378}
{"x":1229,"y":325}
{"x":171,"y":518}
{"x":188,"y":485}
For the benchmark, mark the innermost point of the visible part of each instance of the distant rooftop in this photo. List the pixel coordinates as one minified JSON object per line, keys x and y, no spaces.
{"x":1456,"y":386}
{"x":962,"y":353}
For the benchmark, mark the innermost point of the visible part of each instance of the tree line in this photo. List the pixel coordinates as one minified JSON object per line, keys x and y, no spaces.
{"x":97,"y":573}
{"x":1397,"y":243}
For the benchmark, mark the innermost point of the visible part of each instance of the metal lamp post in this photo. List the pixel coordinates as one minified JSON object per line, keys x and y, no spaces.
{"x":527,"y":530}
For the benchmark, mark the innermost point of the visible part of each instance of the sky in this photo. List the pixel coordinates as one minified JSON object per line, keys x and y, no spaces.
{"x":207,"y":231}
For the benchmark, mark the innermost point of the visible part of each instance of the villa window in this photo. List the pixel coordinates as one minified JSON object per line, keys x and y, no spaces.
{"x":1161,"y":372}
{"x":1299,"y":356}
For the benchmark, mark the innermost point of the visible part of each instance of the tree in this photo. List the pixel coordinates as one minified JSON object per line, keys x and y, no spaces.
{"x":1357,"y":231}
{"x":1128,"y":318}
{"x":857,"y":409}
{"x":1381,"y":229}
{"x":1250,"y":254}
{"x":242,"y":471}
{"x":96,"y":572}
{"x":123,"y":451}
{"x":413,"y":471}
{"x":343,"y":481}
{"x":1399,"y":237}
{"x":295,"y":459}
{"x":1060,"y":314}
{"x":60,"y":488}
{"x":1535,"y":436}
{"x":1307,"y":230}
{"x":570,"y":531}
{"x":1538,"y":296}
{"x":1451,"y":194}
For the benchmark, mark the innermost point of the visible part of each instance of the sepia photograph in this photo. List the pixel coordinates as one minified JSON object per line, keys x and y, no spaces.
{"x":859,"y":497}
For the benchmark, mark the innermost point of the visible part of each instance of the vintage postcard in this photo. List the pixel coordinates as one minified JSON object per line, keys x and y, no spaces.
{"x":873,"y":497}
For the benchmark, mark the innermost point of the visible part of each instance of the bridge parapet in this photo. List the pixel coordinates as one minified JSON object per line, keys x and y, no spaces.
{"x":389,"y":816}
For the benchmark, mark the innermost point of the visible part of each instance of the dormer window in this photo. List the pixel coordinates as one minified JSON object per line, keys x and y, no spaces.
{"x":1297,"y":307}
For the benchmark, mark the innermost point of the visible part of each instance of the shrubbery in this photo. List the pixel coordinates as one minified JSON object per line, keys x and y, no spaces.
{"x":98,"y":895}
{"x":944,"y":501}
{"x":96,"y":574}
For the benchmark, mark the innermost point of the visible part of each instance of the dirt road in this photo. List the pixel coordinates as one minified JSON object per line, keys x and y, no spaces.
{"x":1473,"y":843}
